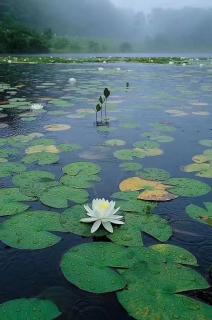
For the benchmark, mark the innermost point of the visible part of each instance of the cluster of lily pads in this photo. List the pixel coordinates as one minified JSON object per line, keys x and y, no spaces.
{"x":52,"y":60}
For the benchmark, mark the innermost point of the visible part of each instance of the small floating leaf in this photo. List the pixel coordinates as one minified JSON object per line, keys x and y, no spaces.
{"x":25,"y":309}
{"x":57,"y":127}
{"x":188,"y":187}
{"x":10,"y":168}
{"x":203,"y":215}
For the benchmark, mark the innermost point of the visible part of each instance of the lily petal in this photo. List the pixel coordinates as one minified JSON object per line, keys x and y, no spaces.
{"x":88,"y":220}
{"x":89,"y":211}
{"x":95,"y":226}
{"x":116,"y":221}
{"x":108,"y":226}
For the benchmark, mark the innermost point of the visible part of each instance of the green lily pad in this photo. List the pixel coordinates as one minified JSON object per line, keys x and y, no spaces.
{"x":59,"y":197}
{"x":34,"y":183}
{"x":203,"y":215}
{"x":91,"y":266}
{"x":82,"y":168}
{"x":11,"y":201}
{"x":133,"y":166}
{"x":206,"y":143}
{"x":130,"y":234}
{"x":154,"y":174}
{"x":10,"y":168}
{"x":188,"y":187}
{"x":42,"y":158}
{"x":25,"y":309}
{"x":203,"y":170}
{"x":146,"y":145}
{"x":153,"y":293}
{"x":130,"y":154}
{"x":159,"y":138}
{"x":79,"y":181}
{"x":163,"y":127}
{"x":31,"y":230}
{"x":115,"y":142}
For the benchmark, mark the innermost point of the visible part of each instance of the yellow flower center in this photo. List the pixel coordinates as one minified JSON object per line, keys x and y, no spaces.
{"x":104,"y":206}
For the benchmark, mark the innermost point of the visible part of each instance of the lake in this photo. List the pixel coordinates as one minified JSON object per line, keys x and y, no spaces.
{"x":54,"y":159}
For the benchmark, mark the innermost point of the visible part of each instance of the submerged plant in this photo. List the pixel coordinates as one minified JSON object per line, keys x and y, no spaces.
{"x":102,"y":212}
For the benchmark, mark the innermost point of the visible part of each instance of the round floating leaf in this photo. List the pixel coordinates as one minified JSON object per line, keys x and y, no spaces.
{"x":57,"y":127}
{"x":91,"y":266}
{"x":146,"y":145}
{"x":163,"y":127}
{"x":153,"y":293}
{"x":129,"y":154}
{"x":25,"y":309}
{"x":31,"y":230}
{"x":203,"y":215}
{"x":59,"y":196}
{"x":11,"y":201}
{"x":159,"y":138}
{"x":79,"y":181}
{"x":154,"y":174}
{"x":130,"y":125}
{"x":43,"y":158}
{"x":42,"y":148}
{"x":115,"y":142}
{"x":34,"y":183}
{"x":82,"y":168}
{"x":153,"y":191}
{"x":130,"y":234}
{"x":206,"y":143}
{"x":10,"y":168}
{"x":133,"y":166}
{"x":203,"y":170}
{"x":188,"y":187}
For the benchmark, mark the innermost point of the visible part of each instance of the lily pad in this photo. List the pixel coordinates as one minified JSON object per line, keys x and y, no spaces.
{"x":25,"y":309}
{"x":42,"y":148}
{"x":91,"y":266}
{"x":154,"y":174}
{"x":133,"y":166}
{"x":34,"y":183}
{"x":57,"y":127}
{"x":43,"y":158}
{"x":11,"y":201}
{"x":206,"y":143}
{"x":153,"y":190}
{"x":131,"y":233}
{"x":115,"y":142}
{"x":153,"y":292}
{"x":188,"y":187}
{"x":79,"y":181}
{"x":31,"y":230}
{"x":81,"y":168}
{"x":11,"y":168}
{"x":59,"y":197}
{"x":203,"y":215}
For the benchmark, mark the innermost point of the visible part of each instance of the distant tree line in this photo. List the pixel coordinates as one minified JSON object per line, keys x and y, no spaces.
{"x":98,"y":26}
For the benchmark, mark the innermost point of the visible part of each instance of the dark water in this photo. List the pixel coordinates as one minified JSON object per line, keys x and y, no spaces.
{"x":153,"y":90}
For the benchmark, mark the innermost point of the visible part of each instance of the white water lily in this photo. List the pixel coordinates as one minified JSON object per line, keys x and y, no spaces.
{"x":36,"y":106}
{"x":72,"y":80}
{"x":102,"y":212}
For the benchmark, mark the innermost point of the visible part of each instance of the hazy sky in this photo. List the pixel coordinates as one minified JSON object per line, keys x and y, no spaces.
{"x":147,"y":5}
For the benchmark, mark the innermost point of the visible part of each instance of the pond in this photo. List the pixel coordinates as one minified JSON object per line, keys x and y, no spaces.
{"x":154,"y":158}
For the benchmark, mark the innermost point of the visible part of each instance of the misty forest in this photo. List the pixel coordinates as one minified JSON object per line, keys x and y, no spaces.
{"x":105,"y":160}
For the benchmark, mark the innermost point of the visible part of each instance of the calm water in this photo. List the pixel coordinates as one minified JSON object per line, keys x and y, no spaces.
{"x":154,"y":91}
